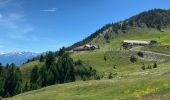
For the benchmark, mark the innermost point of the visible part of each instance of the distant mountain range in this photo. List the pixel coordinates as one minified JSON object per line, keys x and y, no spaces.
{"x":16,"y":57}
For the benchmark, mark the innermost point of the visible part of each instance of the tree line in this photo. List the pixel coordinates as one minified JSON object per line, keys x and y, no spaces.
{"x":57,"y":68}
{"x":60,"y":70}
{"x":10,"y":80}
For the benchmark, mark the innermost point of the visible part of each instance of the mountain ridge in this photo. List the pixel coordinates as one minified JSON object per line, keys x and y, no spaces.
{"x":16,"y":57}
{"x":155,"y":18}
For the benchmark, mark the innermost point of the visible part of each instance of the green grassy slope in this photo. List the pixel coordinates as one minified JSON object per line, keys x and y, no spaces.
{"x":153,"y":84}
{"x":129,"y":80}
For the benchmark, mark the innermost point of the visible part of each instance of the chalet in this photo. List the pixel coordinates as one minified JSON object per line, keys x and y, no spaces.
{"x":132,"y":43}
{"x":87,"y":47}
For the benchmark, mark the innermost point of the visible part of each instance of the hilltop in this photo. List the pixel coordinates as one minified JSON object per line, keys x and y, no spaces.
{"x":153,"y":19}
{"x":145,"y":78}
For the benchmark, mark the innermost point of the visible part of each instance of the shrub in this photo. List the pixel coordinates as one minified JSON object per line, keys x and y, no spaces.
{"x":133,"y":59}
{"x":79,"y":62}
{"x":155,"y":65}
{"x":143,"y":67}
{"x":149,"y":67}
{"x":110,"y":76}
{"x":97,"y":77}
{"x":140,"y":54}
{"x":105,"y":58}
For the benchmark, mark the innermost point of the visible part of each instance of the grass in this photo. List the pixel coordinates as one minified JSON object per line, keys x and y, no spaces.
{"x":131,"y":88}
{"x":139,"y":34}
{"x":159,"y":49}
{"x":27,"y":68}
{"x":129,"y":83}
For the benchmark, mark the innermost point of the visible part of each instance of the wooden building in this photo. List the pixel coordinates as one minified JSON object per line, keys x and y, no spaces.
{"x":87,"y":47}
{"x":132,"y":43}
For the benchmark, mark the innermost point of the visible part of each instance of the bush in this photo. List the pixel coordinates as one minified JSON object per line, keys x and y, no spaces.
{"x":143,"y":67}
{"x":140,"y":54}
{"x":105,"y":58}
{"x":133,"y":59}
{"x":110,"y":76}
{"x":149,"y":67}
{"x":97,"y":77}
{"x":155,"y":65}
{"x":79,"y":62}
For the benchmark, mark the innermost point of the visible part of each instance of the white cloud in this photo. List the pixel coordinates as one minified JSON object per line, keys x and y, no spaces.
{"x":14,"y":25}
{"x":49,"y":10}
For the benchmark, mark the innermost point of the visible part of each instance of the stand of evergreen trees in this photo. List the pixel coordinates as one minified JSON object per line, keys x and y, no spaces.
{"x":58,"y":68}
{"x":57,"y":71}
{"x":10,"y":80}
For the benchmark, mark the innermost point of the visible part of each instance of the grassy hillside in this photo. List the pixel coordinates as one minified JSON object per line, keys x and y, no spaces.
{"x":143,"y":85}
{"x":153,"y":19}
{"x":129,"y":81}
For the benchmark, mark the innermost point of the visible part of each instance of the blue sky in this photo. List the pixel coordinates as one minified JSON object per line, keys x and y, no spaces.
{"x":43,"y":25}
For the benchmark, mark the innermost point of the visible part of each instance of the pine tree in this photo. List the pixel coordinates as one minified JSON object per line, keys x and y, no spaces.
{"x":26,"y":87}
{"x":50,"y":78}
{"x":34,"y":78}
{"x":66,"y":68}
{"x":61,"y":51}
{"x":42,"y":80}
{"x":50,"y":60}
{"x":155,"y":65}
{"x":41,"y":58}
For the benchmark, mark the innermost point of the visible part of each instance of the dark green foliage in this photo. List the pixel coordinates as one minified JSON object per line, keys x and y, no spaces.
{"x":50,"y":78}
{"x":133,"y":59}
{"x":34,"y":75}
{"x":85,"y":71}
{"x":110,"y":76}
{"x":42,"y":80}
{"x":79,"y":62}
{"x":155,"y":65}
{"x":65,"y":70}
{"x":11,"y":81}
{"x":41,"y":58}
{"x":1,"y":67}
{"x":156,"y":18}
{"x":143,"y":67}
{"x":105,"y":58}
{"x":50,"y":59}
{"x":149,"y":67}
{"x":61,"y":51}
{"x":26,"y":87}
{"x":65,"y":67}
{"x":114,"y":66}
{"x":140,"y":54}
{"x":34,"y":78}
{"x":107,"y":37}
{"x":153,"y":42}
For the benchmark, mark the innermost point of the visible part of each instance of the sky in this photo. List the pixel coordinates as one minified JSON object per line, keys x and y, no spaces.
{"x":47,"y":25}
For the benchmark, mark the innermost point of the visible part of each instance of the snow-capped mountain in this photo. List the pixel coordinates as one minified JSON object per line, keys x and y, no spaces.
{"x":16,"y":57}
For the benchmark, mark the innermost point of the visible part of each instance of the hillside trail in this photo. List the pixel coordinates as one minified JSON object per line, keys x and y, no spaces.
{"x":156,"y":53}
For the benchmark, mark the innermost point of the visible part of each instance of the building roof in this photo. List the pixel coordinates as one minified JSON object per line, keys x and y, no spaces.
{"x":136,"y":41}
